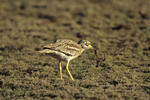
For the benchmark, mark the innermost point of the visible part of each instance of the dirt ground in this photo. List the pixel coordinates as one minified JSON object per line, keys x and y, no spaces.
{"x":118,"y":29}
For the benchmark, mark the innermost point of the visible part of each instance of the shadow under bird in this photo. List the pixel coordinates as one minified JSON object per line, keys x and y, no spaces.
{"x":66,"y":50}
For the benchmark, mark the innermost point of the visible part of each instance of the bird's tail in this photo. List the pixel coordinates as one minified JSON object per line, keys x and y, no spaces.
{"x":45,"y":51}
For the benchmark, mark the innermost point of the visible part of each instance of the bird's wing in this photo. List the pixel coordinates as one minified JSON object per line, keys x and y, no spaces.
{"x":68,"y":47}
{"x":64,"y":41}
{"x":51,"y":46}
{"x":57,"y":43}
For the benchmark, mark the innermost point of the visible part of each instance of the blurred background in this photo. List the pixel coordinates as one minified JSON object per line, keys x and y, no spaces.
{"x":118,"y":69}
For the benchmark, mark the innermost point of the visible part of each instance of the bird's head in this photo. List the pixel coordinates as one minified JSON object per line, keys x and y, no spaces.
{"x":85,"y":44}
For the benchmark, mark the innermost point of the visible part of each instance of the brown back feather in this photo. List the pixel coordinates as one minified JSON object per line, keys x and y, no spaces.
{"x":67,"y":47}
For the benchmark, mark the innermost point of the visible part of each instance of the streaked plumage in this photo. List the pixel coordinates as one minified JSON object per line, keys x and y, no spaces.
{"x":66,"y":50}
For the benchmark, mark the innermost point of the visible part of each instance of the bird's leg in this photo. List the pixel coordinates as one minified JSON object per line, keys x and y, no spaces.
{"x":67,"y":67}
{"x":60,"y":70}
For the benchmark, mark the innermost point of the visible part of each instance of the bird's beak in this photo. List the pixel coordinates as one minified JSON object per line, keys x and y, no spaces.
{"x":91,"y":47}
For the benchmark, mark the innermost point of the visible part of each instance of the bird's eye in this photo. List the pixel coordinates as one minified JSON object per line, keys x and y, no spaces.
{"x":87,"y":43}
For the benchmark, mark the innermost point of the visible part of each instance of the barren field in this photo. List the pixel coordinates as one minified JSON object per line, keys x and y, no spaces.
{"x":118,"y":29}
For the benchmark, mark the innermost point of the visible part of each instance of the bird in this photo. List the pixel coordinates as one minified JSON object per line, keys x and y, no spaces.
{"x":66,"y":50}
